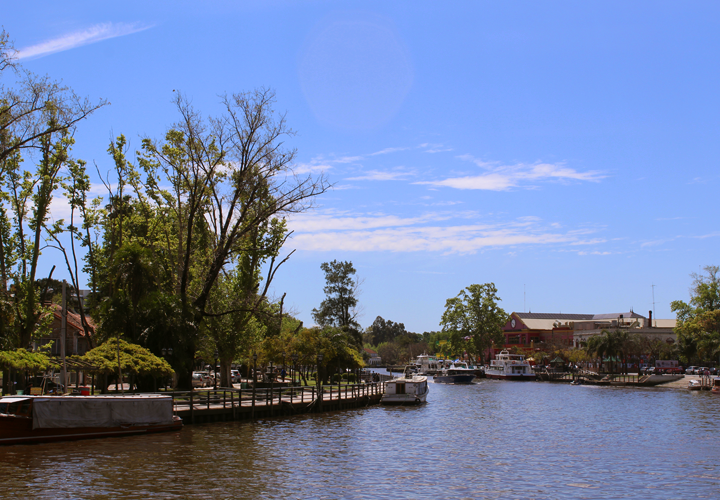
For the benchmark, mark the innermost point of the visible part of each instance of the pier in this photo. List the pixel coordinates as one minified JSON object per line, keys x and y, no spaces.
{"x":226,"y":404}
{"x":592,"y":378}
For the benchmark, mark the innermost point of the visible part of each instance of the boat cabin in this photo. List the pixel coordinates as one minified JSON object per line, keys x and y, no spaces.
{"x":16,"y":407}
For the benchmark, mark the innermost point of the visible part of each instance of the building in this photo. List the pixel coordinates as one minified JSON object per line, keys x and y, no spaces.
{"x":528,"y":329}
{"x":374,"y":358}
{"x":76,"y":341}
{"x":658,"y":329}
{"x":561,"y":331}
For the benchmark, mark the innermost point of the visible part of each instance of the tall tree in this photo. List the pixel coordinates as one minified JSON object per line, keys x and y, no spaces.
{"x":341,"y":289}
{"x":209,"y":188}
{"x":698,"y":322}
{"x":385,"y":331}
{"x":475,"y":313}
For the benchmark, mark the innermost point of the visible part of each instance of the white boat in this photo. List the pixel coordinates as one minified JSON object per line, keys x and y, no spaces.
{"x":508,"y":366}
{"x":455,"y":372}
{"x":694,"y":384}
{"x":408,"y":389}
{"x":427,"y":364}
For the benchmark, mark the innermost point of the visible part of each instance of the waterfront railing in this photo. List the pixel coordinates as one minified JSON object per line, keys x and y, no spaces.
{"x":269,"y":398}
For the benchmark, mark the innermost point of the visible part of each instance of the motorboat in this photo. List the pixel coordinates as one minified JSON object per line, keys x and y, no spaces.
{"x":455,"y":372}
{"x":694,"y":384}
{"x":715,"y":389}
{"x":508,"y":366}
{"x":411,"y":388}
{"x":41,"y":419}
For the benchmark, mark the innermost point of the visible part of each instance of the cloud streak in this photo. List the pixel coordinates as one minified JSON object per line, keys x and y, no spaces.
{"x":94,"y":34}
{"x":376,"y":175}
{"x":431,"y":232}
{"x":505,"y":177}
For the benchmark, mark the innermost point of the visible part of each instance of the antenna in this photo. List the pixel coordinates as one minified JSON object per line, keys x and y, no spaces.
{"x":653,"y":293}
{"x":524,"y":295}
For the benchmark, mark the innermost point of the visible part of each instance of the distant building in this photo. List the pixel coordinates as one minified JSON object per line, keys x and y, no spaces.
{"x":76,"y":341}
{"x":528,"y":330}
{"x":660,"y":329}
{"x":374,"y":357}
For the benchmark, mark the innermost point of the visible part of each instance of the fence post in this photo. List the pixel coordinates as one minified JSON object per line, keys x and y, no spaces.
{"x":192,"y":409}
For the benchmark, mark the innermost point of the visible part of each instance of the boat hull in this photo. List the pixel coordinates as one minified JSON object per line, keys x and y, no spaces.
{"x":403,"y":399}
{"x":505,"y":376}
{"x":18,"y":430}
{"x":454,"y":379}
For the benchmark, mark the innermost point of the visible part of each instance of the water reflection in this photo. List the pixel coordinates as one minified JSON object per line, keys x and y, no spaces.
{"x":489,"y":440}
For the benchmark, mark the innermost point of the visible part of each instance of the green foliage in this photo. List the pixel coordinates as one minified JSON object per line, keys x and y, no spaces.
{"x":698,"y":322}
{"x":341,"y":288}
{"x":474,"y":313}
{"x":23,"y":360}
{"x":386,"y":331}
{"x":134,"y":359}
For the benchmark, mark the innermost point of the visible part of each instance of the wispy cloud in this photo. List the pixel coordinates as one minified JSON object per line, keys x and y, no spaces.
{"x":434,"y":148}
{"x":387,"y":151}
{"x":313,"y":167}
{"x":376,"y":175}
{"x":504,"y":177}
{"x":94,"y":34}
{"x":431,"y":232}
{"x":347,"y":159}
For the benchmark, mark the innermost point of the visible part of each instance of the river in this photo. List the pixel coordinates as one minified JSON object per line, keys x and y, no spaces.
{"x":492,"y":439}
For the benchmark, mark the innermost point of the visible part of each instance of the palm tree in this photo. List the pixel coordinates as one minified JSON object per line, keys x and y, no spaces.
{"x":609,"y":344}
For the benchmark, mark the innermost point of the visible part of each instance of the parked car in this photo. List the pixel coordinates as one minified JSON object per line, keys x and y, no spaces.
{"x":691,"y":370}
{"x":202,"y":379}
{"x":235,"y":376}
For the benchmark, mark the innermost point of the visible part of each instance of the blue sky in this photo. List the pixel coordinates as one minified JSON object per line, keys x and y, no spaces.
{"x":566,"y":151}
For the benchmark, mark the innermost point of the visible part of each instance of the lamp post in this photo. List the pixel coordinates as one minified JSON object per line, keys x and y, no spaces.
{"x":215,"y":367}
{"x":283,"y":368}
{"x":294,"y":358}
{"x":319,"y":380}
{"x":167,"y":354}
{"x":252,"y":412}
{"x":271,"y":376}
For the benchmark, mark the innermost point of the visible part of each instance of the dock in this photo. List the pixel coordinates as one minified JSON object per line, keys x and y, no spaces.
{"x":228,"y":404}
{"x":590,"y":378}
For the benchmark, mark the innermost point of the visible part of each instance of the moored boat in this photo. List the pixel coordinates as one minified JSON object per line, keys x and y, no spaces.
{"x":715,"y":386}
{"x":411,"y":388}
{"x":455,"y":373}
{"x":508,"y":366}
{"x":694,"y":385}
{"x":427,"y":364}
{"x":38,"y":419}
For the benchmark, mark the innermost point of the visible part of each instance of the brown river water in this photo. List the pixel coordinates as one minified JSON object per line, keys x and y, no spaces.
{"x":492,"y":439}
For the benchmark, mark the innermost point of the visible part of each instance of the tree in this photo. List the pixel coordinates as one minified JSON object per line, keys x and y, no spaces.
{"x":135,"y":361}
{"x":385,"y":331}
{"x":37,"y":121}
{"x":698,"y":322}
{"x":341,"y":290}
{"x":212,"y":191}
{"x":474,"y":313}
{"x":35,"y":107}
